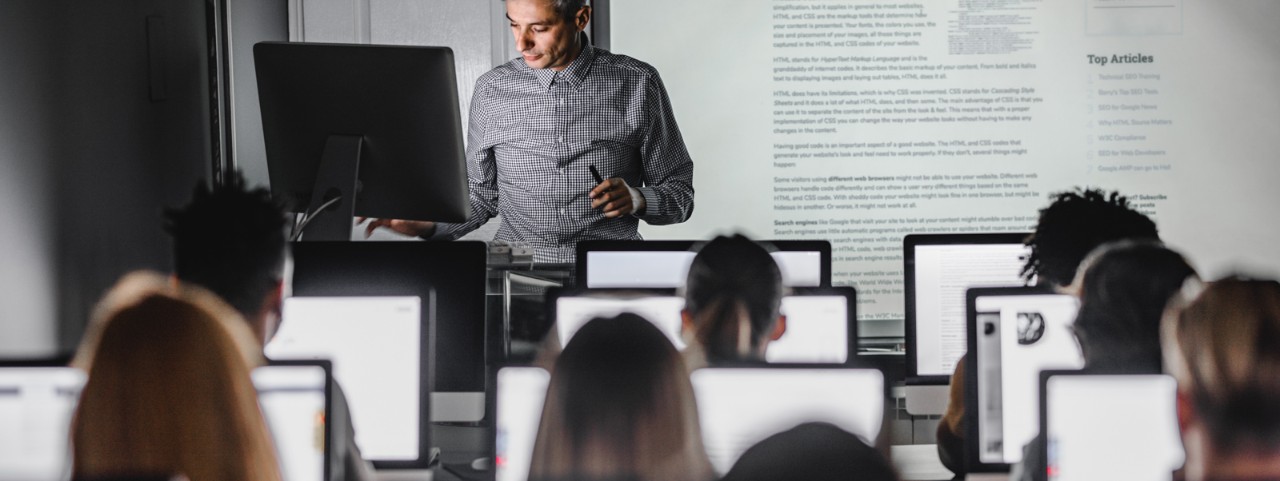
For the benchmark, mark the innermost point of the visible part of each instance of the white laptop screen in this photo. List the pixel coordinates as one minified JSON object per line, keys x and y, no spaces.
{"x":36,"y":405}
{"x":293,"y":402}
{"x":669,"y":269}
{"x":521,"y":393}
{"x":1112,"y":427}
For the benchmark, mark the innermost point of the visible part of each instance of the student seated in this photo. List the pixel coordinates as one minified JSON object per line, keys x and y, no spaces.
{"x":732,"y":298}
{"x":1223,"y":350}
{"x":812,"y":452}
{"x":231,"y":240}
{"x":1124,"y":289}
{"x":619,"y":406}
{"x":168,"y":389}
{"x":1071,"y":227}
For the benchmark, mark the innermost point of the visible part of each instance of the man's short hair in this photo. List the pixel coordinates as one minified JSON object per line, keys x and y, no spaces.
{"x":1074,"y":224}
{"x":566,"y":9}
{"x":230,"y":240}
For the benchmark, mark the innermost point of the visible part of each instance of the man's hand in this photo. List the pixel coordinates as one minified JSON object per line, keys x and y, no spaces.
{"x":416,"y":228}
{"x":614,"y":197}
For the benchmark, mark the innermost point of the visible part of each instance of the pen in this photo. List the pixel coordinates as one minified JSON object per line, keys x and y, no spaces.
{"x":596,"y":174}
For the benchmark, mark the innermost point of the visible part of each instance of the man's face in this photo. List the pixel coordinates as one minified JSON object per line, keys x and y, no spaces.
{"x":544,"y":38}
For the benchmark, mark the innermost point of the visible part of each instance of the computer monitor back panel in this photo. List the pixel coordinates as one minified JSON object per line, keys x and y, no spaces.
{"x":375,"y":345}
{"x":1017,"y":332}
{"x":36,"y":406}
{"x":295,"y":400}
{"x":453,"y":271}
{"x":938,"y":270}
{"x":1111,"y":427}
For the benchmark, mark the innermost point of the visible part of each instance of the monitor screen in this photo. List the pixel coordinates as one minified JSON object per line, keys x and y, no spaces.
{"x":521,"y":393}
{"x":775,"y":400}
{"x":818,"y":324}
{"x":375,"y":345}
{"x":295,"y":404}
{"x":1019,"y":332}
{"x":1111,"y":427}
{"x":940,"y":269}
{"x":665,"y":264}
{"x":36,"y":405}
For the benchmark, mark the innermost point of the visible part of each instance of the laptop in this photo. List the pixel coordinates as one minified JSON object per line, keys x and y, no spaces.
{"x":296,"y":400}
{"x":1013,"y":334}
{"x":37,"y":401}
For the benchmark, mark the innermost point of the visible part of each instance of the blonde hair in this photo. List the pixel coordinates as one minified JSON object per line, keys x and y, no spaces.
{"x":168,"y":390}
{"x":1222,"y":348}
{"x":619,"y":406}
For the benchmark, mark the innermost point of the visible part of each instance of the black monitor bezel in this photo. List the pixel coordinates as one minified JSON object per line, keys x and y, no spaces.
{"x":973,"y":461}
{"x":822,"y":247}
{"x":909,"y":243}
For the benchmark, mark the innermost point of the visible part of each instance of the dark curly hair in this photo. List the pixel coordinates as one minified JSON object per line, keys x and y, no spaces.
{"x":1074,"y":224}
{"x":230,"y":240}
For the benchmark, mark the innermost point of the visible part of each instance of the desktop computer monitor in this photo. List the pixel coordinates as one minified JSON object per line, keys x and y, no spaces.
{"x":37,"y":401}
{"x":454,"y":271}
{"x":380,"y":350}
{"x":1109,"y":426}
{"x":938,"y":268}
{"x":821,"y":322}
{"x":521,"y":392}
{"x":1013,"y":334}
{"x":295,"y":397}
{"x":376,"y":127}
{"x":665,"y":264}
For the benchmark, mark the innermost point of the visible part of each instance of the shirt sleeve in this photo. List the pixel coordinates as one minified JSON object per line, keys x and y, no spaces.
{"x":482,"y":178}
{"x":668,"y":169}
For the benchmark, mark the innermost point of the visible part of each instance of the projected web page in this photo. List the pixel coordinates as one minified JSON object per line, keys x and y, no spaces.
{"x":817,"y":326}
{"x":1034,"y":335}
{"x":1112,"y":427}
{"x":293,"y":403}
{"x":669,"y":269}
{"x":375,"y":345}
{"x":521,"y":392}
{"x":36,"y":405}
{"x":860,"y":121}
{"x":776,"y":400}
{"x":943,"y":274}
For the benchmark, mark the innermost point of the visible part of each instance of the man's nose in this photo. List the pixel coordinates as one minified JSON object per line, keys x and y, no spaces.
{"x":523,"y":42}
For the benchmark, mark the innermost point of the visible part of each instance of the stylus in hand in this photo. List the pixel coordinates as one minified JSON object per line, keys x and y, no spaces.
{"x":596,"y":174}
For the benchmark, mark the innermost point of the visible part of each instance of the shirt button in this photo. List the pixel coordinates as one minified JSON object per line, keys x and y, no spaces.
{"x":562,"y":211}
{"x":560,"y":139}
{"x":561,"y":101}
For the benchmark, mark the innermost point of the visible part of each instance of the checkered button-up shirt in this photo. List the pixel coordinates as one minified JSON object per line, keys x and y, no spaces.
{"x":534,"y":133}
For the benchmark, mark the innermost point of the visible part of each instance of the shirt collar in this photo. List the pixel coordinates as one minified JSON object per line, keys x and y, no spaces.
{"x":575,"y":73}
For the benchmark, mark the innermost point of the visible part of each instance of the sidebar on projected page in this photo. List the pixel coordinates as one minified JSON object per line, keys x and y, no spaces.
{"x":860,"y":121}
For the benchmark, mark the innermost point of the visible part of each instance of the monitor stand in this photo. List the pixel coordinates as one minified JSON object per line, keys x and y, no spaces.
{"x":337,"y":180}
{"x":457,"y":407}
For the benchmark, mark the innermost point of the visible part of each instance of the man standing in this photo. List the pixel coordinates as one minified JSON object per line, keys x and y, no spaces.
{"x":543,"y":126}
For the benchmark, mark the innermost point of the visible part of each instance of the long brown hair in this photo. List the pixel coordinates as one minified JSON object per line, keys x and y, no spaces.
{"x":169,"y":390}
{"x":619,"y":406}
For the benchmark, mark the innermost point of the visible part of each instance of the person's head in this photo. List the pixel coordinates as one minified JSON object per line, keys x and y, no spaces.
{"x":548,"y":32}
{"x":231,"y":240}
{"x":168,"y":389}
{"x":732,"y":297}
{"x":1073,"y":225}
{"x":619,"y":406}
{"x":1222,"y":349}
{"x":1124,"y":289}
{"x":812,"y":452}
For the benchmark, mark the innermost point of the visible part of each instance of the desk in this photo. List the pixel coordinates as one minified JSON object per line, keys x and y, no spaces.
{"x":919,"y":462}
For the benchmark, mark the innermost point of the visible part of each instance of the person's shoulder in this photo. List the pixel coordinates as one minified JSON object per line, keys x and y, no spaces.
{"x":512,"y":69}
{"x":624,"y":65}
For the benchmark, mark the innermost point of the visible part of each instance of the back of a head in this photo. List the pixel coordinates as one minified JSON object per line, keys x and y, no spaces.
{"x":230,"y":240}
{"x":619,"y":406}
{"x":1076,"y":223}
{"x":1222,"y":348}
{"x":812,"y":452}
{"x":733,"y":282}
{"x":1125,"y":289}
{"x":169,"y":392}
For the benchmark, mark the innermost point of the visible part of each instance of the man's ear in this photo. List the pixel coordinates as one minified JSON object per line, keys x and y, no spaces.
{"x":582,"y":18}
{"x":1186,"y":411}
{"x":779,"y":329}
{"x":686,"y":322}
{"x":269,"y":317}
